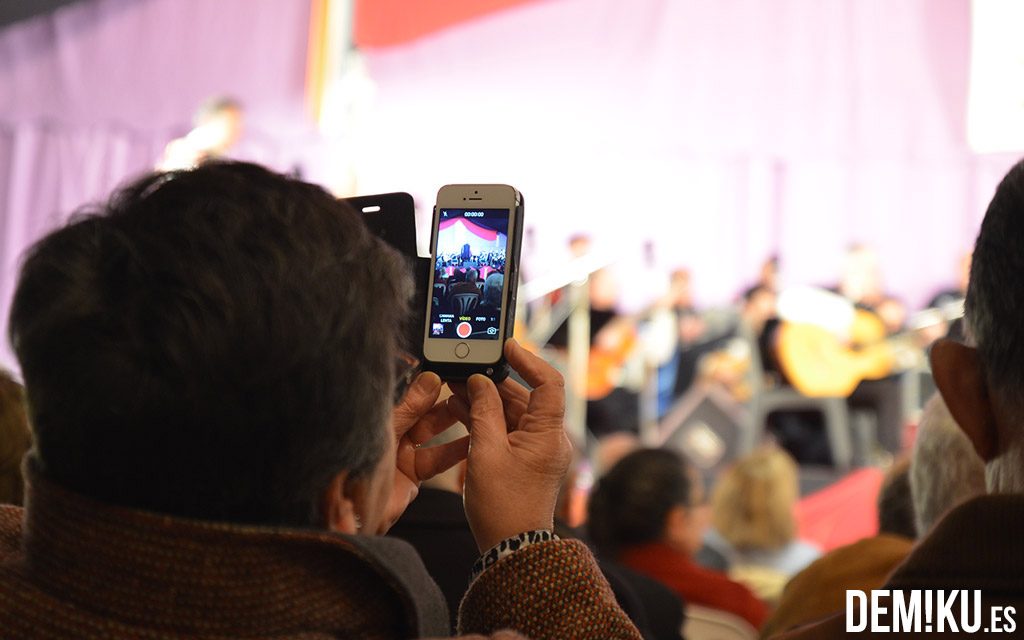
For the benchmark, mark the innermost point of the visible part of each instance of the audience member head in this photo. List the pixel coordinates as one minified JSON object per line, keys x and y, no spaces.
{"x":15,"y":439}
{"x":983,"y":382}
{"x":752,"y":504}
{"x":651,"y":495}
{"x":472,"y":275}
{"x":210,"y":344}
{"x":895,"y":506}
{"x":492,"y":289}
{"x":944,"y":469}
{"x":612,"y":448}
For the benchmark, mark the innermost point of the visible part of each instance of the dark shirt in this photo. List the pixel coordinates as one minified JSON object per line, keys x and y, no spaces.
{"x":435,"y":524}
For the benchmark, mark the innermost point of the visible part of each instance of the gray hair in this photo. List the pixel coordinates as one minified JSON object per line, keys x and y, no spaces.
{"x":944,"y":469}
{"x":492,"y":289}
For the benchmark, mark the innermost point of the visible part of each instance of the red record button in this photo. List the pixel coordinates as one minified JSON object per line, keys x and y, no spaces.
{"x":464,"y":329}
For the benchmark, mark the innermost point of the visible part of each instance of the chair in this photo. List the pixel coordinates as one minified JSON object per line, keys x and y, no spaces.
{"x":704,"y":623}
{"x":766,"y":399}
{"x":465,"y":302}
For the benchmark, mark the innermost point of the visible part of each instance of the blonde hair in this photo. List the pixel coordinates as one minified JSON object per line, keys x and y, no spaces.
{"x":15,"y":439}
{"x":752,"y":504}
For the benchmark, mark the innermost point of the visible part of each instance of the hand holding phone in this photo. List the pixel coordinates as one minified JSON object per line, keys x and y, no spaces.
{"x":519,"y":451}
{"x":475,"y":244}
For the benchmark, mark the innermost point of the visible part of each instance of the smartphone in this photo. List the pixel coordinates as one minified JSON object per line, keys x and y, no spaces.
{"x":475,"y":241}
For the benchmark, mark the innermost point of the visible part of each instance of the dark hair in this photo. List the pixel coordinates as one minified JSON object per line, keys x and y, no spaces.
{"x":15,"y":439}
{"x":896,"y":503}
{"x":214,"y":343}
{"x":995,"y":294}
{"x":631,"y":502}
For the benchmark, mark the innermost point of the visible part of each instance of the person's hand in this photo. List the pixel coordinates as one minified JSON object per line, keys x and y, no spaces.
{"x":415,"y":420}
{"x":519,"y":452}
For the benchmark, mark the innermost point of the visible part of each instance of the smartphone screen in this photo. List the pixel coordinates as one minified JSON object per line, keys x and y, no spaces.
{"x":469,"y":274}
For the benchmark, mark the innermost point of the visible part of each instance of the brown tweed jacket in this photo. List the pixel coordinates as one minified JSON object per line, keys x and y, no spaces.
{"x":71,"y":567}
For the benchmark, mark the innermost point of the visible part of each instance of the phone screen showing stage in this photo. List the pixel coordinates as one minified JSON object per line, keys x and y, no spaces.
{"x":469,"y":274}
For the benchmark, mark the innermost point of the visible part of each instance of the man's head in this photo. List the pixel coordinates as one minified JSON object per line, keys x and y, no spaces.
{"x":650,"y":495}
{"x":472,"y":275}
{"x":983,"y":383}
{"x":209,"y":344}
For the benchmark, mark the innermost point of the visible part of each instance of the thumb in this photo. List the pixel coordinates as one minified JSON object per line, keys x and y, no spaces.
{"x":485,"y":410}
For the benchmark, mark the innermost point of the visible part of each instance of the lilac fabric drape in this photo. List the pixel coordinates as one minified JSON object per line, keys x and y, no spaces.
{"x":724,"y":131}
{"x":90,"y":94}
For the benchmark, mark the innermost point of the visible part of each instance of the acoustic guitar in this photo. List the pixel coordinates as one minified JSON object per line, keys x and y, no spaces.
{"x":819,"y":364}
{"x":613,"y":347}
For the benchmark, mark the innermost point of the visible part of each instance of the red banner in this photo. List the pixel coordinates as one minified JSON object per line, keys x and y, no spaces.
{"x":382,"y":23}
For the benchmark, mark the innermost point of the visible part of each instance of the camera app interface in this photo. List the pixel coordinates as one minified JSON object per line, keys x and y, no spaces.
{"x":469,"y":274}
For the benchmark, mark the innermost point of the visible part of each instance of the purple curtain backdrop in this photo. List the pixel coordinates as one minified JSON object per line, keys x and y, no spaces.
{"x":90,"y":94}
{"x":724,"y":131}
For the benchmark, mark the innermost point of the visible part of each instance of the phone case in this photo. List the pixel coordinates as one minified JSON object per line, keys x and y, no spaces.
{"x":496,"y":371}
{"x":392,"y":217}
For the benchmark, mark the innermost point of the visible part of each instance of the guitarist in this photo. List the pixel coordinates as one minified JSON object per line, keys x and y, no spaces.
{"x":616,"y":408}
{"x":861,"y":284}
{"x":810,"y":356}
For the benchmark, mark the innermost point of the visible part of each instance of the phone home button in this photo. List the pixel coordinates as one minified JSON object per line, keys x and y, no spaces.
{"x":462,"y":350}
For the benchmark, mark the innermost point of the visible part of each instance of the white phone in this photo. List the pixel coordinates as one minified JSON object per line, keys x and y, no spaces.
{"x":475,"y":243}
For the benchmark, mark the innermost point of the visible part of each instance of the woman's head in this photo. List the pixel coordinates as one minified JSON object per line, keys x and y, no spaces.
{"x":650,"y":495}
{"x":752,"y":505}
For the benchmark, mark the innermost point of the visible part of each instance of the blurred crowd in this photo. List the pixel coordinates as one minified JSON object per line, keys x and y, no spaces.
{"x":217,"y":437}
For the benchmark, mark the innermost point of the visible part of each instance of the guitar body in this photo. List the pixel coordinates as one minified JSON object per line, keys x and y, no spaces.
{"x":612,"y":348}
{"x":818,"y":364}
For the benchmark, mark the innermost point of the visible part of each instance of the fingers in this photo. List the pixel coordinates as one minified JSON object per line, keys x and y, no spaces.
{"x":419,"y":399}
{"x":431,"y":423}
{"x":516,"y":399}
{"x":547,"y":401}
{"x":486,"y":413}
{"x":459,"y":407}
{"x":534,"y":369}
{"x":434,"y":460}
